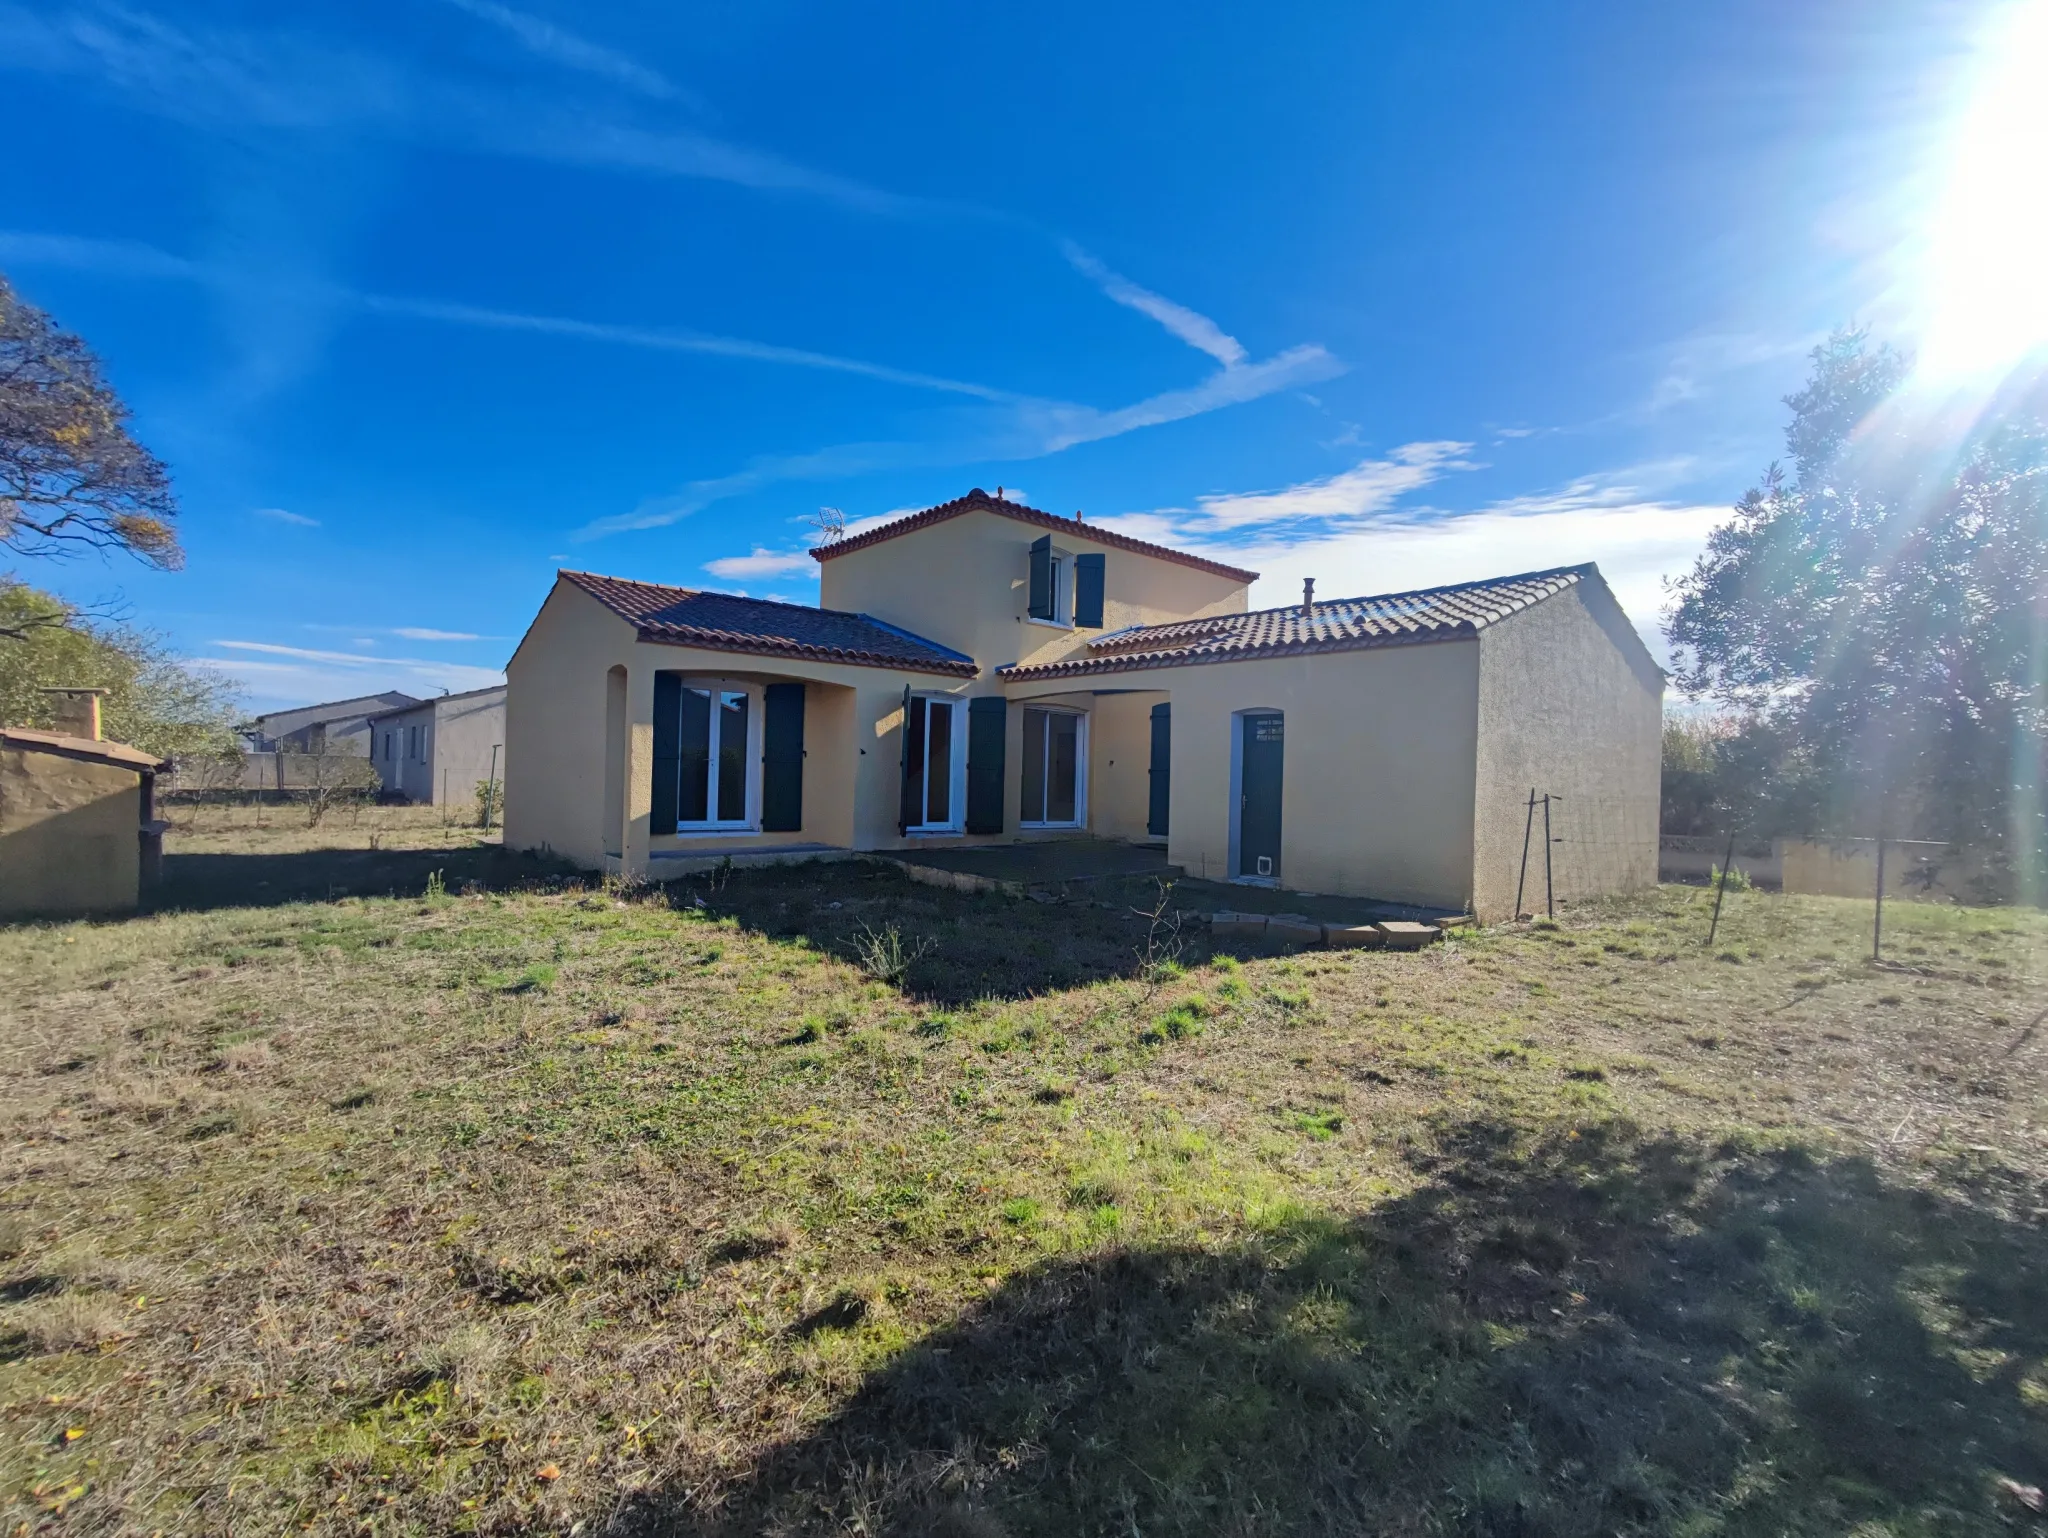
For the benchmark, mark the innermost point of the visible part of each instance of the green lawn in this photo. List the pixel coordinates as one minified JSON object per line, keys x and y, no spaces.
{"x":528,"y":1204}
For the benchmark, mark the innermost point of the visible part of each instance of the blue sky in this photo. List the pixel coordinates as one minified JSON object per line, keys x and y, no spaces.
{"x":421,"y":299}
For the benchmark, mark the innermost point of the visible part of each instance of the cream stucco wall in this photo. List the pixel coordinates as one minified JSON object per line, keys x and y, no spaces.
{"x":1378,"y":770}
{"x":1570,"y":702}
{"x":964,"y":583}
{"x":69,"y":835}
{"x":559,"y":744}
{"x":1119,"y":758}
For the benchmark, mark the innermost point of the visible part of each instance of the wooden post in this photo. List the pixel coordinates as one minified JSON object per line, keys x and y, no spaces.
{"x":493,"y":782}
{"x":1721,"y":891}
{"x":1877,"y":928}
{"x":1528,"y":825}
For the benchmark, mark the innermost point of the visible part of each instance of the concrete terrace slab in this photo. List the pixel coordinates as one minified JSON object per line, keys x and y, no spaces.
{"x":1038,"y":864}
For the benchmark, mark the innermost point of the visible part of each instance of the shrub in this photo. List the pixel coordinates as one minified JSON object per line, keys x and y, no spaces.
{"x":882,"y":955}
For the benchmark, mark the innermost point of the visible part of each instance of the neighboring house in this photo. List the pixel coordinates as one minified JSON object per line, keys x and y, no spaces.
{"x":339,"y":726}
{"x":983,"y":671}
{"x":437,"y":752}
{"x":77,"y":822}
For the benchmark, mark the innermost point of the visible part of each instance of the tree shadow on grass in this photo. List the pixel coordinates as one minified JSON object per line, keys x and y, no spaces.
{"x":960,"y":946}
{"x":1567,"y":1334}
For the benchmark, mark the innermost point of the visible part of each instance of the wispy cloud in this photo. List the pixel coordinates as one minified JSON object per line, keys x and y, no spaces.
{"x":419,"y":633}
{"x":1350,"y":533}
{"x":1328,"y":502}
{"x":282,"y":515}
{"x":1195,"y":329}
{"x":298,"y":82}
{"x":132,"y":259}
{"x":547,"y":41}
{"x":661,"y":340}
{"x":763,"y":563}
{"x":280,"y":675}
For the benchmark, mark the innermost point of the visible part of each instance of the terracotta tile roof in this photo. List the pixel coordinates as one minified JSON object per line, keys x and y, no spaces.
{"x":116,"y":753}
{"x":1339,"y":625}
{"x":681,"y":616}
{"x":978,"y":500}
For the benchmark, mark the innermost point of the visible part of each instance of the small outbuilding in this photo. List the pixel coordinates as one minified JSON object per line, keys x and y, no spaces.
{"x":78,"y":828}
{"x":437,"y":752}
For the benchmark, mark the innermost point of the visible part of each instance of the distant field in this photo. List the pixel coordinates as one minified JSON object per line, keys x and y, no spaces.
{"x":420,"y":1188}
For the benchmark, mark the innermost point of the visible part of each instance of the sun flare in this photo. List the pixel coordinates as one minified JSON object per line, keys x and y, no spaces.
{"x":1989,"y":272}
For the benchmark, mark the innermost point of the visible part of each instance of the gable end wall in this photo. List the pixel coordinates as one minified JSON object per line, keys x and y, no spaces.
{"x":1570,"y":703}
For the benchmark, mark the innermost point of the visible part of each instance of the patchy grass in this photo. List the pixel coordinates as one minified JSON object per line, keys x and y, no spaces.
{"x":524,"y":1203}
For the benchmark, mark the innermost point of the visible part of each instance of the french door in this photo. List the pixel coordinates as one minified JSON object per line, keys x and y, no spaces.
{"x":931,"y":765}
{"x":713,"y":759}
{"x":1055,"y":769}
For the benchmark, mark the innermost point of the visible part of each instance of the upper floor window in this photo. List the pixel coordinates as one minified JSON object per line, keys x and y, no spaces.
{"x":1065,"y":589}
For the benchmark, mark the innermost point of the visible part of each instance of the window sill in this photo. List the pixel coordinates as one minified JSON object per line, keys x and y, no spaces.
{"x":1048,"y":624}
{"x":720,"y":830}
{"x":932,"y":833}
{"x":1051,"y":827}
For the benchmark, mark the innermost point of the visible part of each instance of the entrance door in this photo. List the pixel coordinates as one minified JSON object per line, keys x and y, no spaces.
{"x":1258,"y":812}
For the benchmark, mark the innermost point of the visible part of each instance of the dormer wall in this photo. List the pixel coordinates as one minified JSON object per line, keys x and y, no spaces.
{"x":965,"y":583}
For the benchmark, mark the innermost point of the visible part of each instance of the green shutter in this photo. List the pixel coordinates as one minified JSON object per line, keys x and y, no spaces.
{"x":1041,"y":578}
{"x":908,"y":812}
{"x":988,"y":718}
{"x":1088,"y":575}
{"x":668,"y":733}
{"x":782,"y":759}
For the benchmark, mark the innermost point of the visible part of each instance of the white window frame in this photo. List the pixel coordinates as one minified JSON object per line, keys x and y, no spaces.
{"x":1062,"y":592}
{"x":956,"y":769}
{"x":751,"y":822}
{"x":1080,"y":769}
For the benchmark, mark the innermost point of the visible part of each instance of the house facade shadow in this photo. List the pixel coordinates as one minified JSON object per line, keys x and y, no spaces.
{"x":208,"y":881}
{"x":1566,"y":1335}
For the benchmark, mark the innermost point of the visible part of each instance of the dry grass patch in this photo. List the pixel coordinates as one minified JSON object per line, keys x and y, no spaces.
{"x":513,"y":1204}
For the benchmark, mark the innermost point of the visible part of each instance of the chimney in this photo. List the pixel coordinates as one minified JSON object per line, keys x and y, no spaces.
{"x":1308,"y":596}
{"x":76,"y":711}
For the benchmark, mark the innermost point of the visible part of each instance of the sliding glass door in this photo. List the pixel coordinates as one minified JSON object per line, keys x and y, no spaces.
{"x":1055,"y":769}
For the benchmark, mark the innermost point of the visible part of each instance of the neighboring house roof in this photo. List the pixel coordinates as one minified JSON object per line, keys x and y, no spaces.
{"x":681,"y":616}
{"x":336,"y":710}
{"x":118,"y":754}
{"x":1339,"y":625}
{"x":979,"y":501}
{"x":439,"y":699}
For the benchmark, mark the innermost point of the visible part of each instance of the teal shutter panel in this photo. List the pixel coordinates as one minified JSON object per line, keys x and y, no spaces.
{"x":782,"y":759}
{"x":668,"y":741}
{"x":1041,"y":578}
{"x":1088,"y":575}
{"x":911,"y":766}
{"x":987,"y":724}
{"x":1161,"y":786}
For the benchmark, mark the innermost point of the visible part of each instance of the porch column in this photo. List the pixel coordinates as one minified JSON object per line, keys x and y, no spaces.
{"x":639,"y":766}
